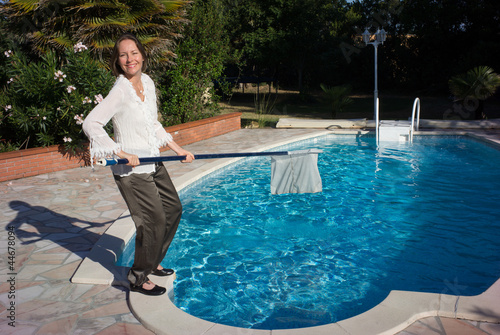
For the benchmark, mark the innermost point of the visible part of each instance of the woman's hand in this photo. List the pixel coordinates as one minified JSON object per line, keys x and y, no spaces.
{"x":133,"y":160}
{"x":181,"y":152}
{"x":189,"y":156}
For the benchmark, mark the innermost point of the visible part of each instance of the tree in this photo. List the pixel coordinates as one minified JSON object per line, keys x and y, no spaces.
{"x":58,"y":25}
{"x":187,"y":88}
{"x":279,"y":35}
{"x":473,"y":87}
{"x":434,"y":40}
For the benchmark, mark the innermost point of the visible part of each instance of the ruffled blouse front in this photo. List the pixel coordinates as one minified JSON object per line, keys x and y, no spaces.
{"x":135,"y":124}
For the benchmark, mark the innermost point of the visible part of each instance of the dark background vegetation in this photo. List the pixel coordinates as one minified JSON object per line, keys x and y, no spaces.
{"x":304,"y":43}
{"x":300,"y":44}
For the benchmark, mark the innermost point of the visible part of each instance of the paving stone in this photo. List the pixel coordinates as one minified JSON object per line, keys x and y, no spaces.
{"x":4,"y":287}
{"x":41,"y":258}
{"x":56,"y":292}
{"x":32,"y":271}
{"x":459,"y":327}
{"x":125,"y":329}
{"x":78,"y":290}
{"x":62,"y":272}
{"x":92,"y":326}
{"x":91,"y":293}
{"x":75,"y":258}
{"x":109,"y":295}
{"x":129,"y":318}
{"x":47,"y":311}
{"x":118,"y":307}
{"x":490,"y":328}
{"x":58,"y":327}
{"x":20,"y":329}
{"x":23,"y":295}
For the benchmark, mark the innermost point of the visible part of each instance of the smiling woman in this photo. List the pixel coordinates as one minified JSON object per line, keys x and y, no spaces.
{"x":132,"y":62}
{"x":131,"y":104}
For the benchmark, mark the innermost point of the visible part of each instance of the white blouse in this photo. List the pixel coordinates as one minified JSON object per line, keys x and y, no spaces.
{"x":135,"y":124}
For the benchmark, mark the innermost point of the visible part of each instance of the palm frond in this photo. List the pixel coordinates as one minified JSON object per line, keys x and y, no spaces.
{"x":41,"y":41}
{"x":479,"y":83}
{"x":103,"y":43}
{"x":25,"y":5}
{"x":171,"y":6}
{"x":62,"y":42}
{"x":98,"y":22}
{"x":338,"y":96}
{"x":100,"y":4}
{"x":157,"y":24}
{"x":44,"y":42}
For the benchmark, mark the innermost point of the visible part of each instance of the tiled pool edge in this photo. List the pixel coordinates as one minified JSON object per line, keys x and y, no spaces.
{"x":403,"y":307}
{"x":399,"y":310}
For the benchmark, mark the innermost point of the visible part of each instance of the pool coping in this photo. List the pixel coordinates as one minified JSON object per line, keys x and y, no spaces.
{"x":396,"y":312}
{"x":334,"y":124}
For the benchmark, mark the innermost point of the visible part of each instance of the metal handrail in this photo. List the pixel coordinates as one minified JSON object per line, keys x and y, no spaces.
{"x":416,"y":106}
{"x":377,"y":120}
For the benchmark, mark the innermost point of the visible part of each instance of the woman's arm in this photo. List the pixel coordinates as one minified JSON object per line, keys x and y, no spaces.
{"x":181,"y":152}
{"x":133,"y":160}
{"x":101,"y":145}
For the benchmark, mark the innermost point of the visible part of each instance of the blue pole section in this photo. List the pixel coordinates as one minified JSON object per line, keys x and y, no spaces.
{"x":145,"y":160}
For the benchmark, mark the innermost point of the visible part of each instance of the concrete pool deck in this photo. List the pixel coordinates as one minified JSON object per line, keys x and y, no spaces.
{"x":60,"y":217}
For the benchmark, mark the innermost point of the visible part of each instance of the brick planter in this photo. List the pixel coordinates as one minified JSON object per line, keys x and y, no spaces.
{"x":32,"y":162}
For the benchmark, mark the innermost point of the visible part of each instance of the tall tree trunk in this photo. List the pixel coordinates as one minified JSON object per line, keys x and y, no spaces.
{"x":300,"y":72}
{"x":479,"y":112}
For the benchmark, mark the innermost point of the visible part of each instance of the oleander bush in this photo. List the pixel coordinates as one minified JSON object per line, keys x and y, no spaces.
{"x":44,"y":102}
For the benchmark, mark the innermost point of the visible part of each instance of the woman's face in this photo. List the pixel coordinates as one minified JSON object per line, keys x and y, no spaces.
{"x":130,"y":58}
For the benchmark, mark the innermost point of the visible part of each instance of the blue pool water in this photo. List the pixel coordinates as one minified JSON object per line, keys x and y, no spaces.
{"x":416,"y":217}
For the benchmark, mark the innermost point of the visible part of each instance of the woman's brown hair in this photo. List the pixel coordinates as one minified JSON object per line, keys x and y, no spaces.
{"x":115,"y":68}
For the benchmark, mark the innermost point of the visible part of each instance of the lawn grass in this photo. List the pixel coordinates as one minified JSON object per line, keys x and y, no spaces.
{"x":291,"y":104}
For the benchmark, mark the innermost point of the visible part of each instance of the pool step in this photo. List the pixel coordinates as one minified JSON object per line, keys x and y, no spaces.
{"x":394,"y":130}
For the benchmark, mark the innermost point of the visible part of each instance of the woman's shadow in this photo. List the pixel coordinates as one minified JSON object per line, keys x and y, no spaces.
{"x":33,"y":224}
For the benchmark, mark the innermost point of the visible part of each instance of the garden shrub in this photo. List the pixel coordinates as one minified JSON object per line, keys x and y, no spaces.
{"x":44,"y":102}
{"x":187,"y":89}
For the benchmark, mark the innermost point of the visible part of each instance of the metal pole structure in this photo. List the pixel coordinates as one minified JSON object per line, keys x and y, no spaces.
{"x":377,"y":121}
{"x":375,"y":92}
{"x":380,"y":37}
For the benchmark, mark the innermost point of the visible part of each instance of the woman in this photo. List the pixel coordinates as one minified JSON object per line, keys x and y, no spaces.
{"x":147,"y":189}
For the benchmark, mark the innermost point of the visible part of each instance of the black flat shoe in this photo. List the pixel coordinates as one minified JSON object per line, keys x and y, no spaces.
{"x":163,"y":272}
{"x":157,"y":290}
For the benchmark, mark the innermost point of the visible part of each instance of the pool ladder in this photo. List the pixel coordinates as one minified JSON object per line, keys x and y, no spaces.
{"x":396,"y":130}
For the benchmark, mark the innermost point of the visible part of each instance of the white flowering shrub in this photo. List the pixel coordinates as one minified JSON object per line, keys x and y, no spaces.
{"x":44,"y":102}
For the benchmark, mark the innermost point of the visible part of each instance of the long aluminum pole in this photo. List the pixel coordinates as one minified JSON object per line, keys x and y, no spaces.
{"x":145,"y":160}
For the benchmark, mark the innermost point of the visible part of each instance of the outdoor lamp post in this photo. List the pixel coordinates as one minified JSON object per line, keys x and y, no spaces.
{"x":380,"y":37}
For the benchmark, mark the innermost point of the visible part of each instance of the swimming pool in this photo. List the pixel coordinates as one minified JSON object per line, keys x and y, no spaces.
{"x":406,"y":217}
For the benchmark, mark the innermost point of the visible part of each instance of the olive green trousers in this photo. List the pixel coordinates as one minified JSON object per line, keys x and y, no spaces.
{"x":156,"y":210}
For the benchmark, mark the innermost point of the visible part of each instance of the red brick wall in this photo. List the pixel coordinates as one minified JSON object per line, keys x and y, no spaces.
{"x":203,"y":129}
{"x":32,"y":162}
